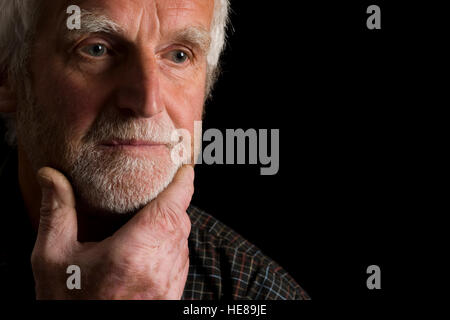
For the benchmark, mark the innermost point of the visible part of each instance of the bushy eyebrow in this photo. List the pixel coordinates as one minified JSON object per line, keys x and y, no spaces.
{"x":195,"y":36}
{"x":94,"y":22}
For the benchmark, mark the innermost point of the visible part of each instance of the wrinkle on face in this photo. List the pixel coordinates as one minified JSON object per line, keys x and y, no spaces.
{"x":74,"y":97}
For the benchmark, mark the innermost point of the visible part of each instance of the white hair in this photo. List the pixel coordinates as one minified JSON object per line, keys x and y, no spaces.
{"x":18,"y":19}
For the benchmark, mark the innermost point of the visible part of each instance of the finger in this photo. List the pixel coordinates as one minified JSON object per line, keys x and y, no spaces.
{"x":167,"y":213}
{"x":179,"y":270}
{"x":165,"y":216}
{"x":180,"y":190}
{"x":58,"y":219}
{"x":185,"y":274}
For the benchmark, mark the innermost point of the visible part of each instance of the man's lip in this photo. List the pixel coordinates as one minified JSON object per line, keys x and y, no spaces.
{"x":134,"y":143}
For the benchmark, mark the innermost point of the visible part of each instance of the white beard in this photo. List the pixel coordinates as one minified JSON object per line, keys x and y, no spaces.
{"x":117,"y":182}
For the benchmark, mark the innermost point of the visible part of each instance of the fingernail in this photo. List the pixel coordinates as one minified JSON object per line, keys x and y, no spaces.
{"x":44,"y":181}
{"x":190,"y":169}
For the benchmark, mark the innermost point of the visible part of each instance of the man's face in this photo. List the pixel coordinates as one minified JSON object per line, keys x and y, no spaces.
{"x":105,"y":99}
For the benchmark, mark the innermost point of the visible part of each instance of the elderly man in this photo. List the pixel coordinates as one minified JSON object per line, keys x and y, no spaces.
{"x":91,"y":183}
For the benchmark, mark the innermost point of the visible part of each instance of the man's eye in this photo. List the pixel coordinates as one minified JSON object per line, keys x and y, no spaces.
{"x":95,"y":50}
{"x":178,"y":56}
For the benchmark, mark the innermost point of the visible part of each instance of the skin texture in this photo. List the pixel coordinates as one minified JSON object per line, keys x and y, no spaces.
{"x":148,"y":258}
{"x":144,"y":254}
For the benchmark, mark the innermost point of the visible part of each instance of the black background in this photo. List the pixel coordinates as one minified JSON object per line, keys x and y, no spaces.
{"x":340,"y":95}
{"x":354,"y":110}
{"x":332,"y":88}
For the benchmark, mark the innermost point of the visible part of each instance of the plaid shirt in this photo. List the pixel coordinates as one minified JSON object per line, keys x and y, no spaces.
{"x":223,"y":265}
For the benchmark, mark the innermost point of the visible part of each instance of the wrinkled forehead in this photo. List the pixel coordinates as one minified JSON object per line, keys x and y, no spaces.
{"x":133,"y":15}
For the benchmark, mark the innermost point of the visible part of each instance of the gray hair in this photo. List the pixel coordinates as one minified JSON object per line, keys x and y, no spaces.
{"x":18,"y":19}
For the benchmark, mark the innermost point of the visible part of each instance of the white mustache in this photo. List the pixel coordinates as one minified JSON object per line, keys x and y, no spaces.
{"x":109,"y":128}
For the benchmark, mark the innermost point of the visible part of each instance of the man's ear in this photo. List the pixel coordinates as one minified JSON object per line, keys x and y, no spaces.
{"x":8,"y":99}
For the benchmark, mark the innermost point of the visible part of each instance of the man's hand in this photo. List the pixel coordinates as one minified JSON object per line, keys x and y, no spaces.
{"x":148,"y":258}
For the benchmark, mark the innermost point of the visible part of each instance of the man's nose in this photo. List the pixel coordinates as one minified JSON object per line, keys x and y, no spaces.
{"x":140,"y":90}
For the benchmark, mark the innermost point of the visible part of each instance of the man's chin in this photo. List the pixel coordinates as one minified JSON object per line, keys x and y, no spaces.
{"x":122,"y":190}
{"x":122,"y":201}
{"x":99,"y":210}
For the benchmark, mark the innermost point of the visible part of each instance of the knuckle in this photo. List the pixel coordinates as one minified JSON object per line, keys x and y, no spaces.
{"x":189,"y":187}
{"x":51,"y":224}
{"x":35,"y":257}
{"x":39,"y":253}
{"x":124,"y":262}
{"x":41,"y":261}
{"x":186,"y":224}
{"x":168,"y":217}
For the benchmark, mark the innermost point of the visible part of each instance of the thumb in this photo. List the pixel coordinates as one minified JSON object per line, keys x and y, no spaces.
{"x":58,"y":219}
{"x":179,"y":192}
{"x":168,"y":208}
